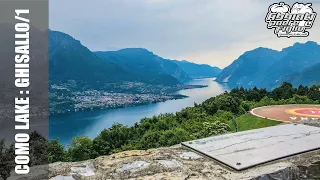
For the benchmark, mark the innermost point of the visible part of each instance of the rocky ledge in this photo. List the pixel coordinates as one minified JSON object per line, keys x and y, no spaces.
{"x":177,"y":162}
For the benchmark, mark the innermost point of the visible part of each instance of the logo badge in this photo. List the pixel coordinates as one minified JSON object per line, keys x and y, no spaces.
{"x":291,"y":21}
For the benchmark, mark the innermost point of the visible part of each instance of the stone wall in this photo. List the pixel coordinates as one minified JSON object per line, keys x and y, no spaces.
{"x":177,"y":162}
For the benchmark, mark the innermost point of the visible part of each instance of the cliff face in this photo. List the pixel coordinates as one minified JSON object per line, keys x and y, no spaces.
{"x":179,"y":163}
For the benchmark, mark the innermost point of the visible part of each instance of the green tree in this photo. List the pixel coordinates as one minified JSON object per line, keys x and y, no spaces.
{"x":285,"y":91}
{"x":80,"y":149}
{"x":297,"y":99}
{"x":150,"y":139}
{"x":253,"y":95}
{"x":314,"y":92}
{"x":267,"y":101}
{"x":227,"y":103}
{"x":174,"y":136}
{"x":114,"y":138}
{"x":6,"y":160}
{"x":38,"y":149}
{"x":209,"y":118}
{"x":56,"y":151}
{"x":302,"y":90}
{"x":210,"y":129}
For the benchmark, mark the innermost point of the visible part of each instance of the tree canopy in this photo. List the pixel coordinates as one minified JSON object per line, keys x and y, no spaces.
{"x":214,"y":116}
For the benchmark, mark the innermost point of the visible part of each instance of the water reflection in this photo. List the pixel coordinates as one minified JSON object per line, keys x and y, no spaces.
{"x":92,"y":123}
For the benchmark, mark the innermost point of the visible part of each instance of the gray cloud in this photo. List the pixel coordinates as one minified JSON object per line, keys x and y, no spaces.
{"x":206,"y":31}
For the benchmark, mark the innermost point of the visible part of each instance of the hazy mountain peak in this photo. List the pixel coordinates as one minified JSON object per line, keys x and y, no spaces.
{"x":135,"y":50}
{"x":260,"y":50}
{"x":198,"y":70}
{"x":189,"y":62}
{"x":312,"y":42}
{"x":264,"y":67}
{"x":53,"y":33}
{"x":145,"y":63}
{"x":304,"y":46}
{"x":306,"y":43}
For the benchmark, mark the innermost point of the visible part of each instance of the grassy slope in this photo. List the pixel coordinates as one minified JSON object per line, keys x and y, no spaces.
{"x":248,"y":121}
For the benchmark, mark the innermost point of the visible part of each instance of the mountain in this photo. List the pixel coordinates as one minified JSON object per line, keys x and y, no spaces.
{"x":294,"y":60}
{"x":70,"y":61}
{"x":198,"y":70}
{"x":307,"y":77}
{"x":249,"y":69}
{"x":267,"y":68}
{"x":145,"y":63}
{"x":174,"y":70}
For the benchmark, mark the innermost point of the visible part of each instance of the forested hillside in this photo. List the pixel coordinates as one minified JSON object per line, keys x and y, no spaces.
{"x":214,"y":116}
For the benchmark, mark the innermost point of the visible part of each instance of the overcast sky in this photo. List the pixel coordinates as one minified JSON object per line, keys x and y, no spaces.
{"x":214,"y":32}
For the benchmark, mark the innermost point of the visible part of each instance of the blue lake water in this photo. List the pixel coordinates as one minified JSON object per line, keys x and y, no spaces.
{"x":91,"y":123}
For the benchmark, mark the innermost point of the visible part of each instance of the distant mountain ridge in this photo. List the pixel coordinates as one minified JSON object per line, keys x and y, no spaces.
{"x":143,"y":62}
{"x":70,"y":60}
{"x":267,"y":68}
{"x":80,"y":80}
{"x":198,"y":70}
{"x":248,"y":67}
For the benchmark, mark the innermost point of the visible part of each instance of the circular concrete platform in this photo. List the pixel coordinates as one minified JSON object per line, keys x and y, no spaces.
{"x":288,"y":113}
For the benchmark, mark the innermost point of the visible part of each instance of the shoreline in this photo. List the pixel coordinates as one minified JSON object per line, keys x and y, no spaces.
{"x":166,"y":97}
{"x":180,"y":96}
{"x":125,"y":116}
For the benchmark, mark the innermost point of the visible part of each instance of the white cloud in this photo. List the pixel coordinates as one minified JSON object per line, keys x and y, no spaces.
{"x":214,"y":32}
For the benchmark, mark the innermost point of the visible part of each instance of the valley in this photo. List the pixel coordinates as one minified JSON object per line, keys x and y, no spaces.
{"x":127,"y":85}
{"x":90,"y":123}
{"x":82,"y":80}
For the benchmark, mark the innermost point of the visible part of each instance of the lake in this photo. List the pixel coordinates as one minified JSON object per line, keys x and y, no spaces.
{"x":91,"y":123}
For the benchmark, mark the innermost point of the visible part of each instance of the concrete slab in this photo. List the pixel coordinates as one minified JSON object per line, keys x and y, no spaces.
{"x":243,"y":150}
